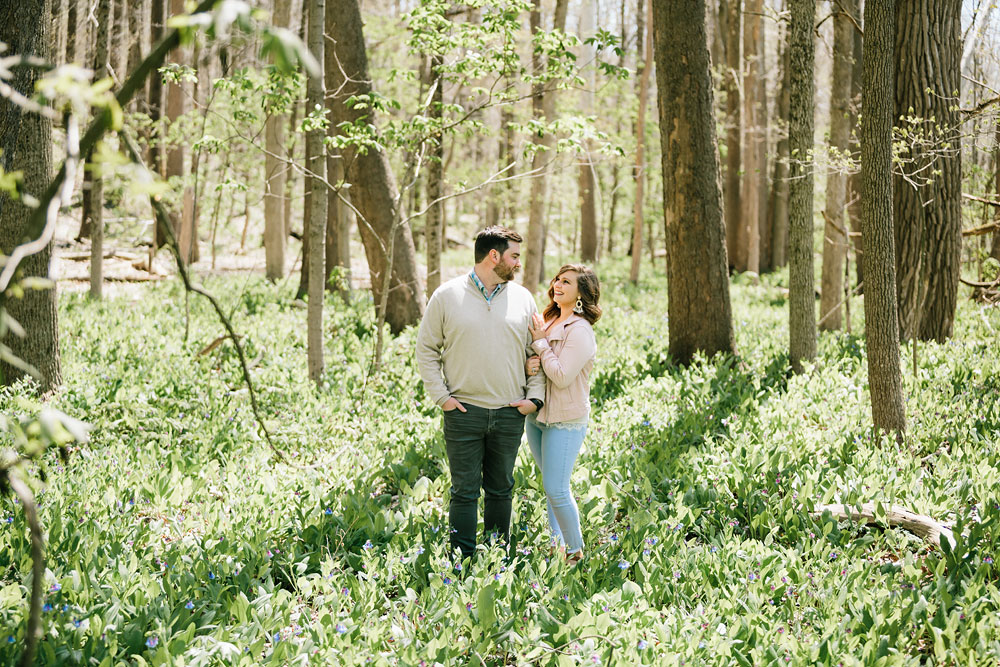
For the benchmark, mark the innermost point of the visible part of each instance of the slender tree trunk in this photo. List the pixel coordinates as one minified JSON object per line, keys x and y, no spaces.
{"x":697,"y":277}
{"x":95,"y":223}
{"x":755,"y":136}
{"x":316,"y":220}
{"x":338,"y":221}
{"x":275,"y":236}
{"x":587,"y":183}
{"x":640,"y":147}
{"x":928,"y":221}
{"x":736,"y":254}
{"x":373,"y":186}
{"x":434,"y":222}
{"x":543,"y":104}
{"x":801,"y":300}
{"x":119,"y":40}
{"x":778,"y":206}
{"x":854,"y":181}
{"x":156,"y":17}
{"x":995,"y":249}
{"x":71,"y":30}
{"x":881,"y":333}
{"x":176,"y":105}
{"x":26,"y":145}
{"x":56,"y":31}
{"x":835,"y":237}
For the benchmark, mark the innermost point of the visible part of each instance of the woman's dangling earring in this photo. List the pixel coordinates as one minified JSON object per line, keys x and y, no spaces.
{"x":578,"y":308}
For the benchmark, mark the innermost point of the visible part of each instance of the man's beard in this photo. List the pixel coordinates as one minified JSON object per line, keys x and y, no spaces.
{"x":504,"y":272}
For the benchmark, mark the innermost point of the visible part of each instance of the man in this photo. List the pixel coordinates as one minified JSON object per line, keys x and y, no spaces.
{"x":471,"y":349}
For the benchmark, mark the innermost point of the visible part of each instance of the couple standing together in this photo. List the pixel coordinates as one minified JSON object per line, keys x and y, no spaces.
{"x":479,"y":350}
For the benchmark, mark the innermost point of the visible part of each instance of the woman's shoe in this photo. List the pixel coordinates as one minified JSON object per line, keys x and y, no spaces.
{"x":574,"y":558}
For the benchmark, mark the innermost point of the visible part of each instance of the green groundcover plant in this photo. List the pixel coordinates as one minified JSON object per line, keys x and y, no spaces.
{"x":175,"y":536}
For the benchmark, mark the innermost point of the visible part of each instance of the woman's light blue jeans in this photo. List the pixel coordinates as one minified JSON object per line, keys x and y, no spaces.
{"x":555,"y":451}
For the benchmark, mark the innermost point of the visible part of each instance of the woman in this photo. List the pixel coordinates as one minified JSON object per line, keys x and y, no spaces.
{"x":566,"y":346}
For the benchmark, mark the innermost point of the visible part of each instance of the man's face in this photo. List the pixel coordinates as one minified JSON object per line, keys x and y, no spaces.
{"x":510,"y":262}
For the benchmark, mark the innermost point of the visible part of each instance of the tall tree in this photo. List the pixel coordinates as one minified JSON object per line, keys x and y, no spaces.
{"x":835,"y":237}
{"x":338,"y":220}
{"x":543,"y":105}
{"x":434,"y":224}
{"x":753,"y":197}
{"x":644,"y":67}
{"x":778,"y":199}
{"x":373,"y":186}
{"x":95,"y":223}
{"x":316,"y":216}
{"x":928,"y":48}
{"x":697,"y":275}
{"x":734,"y":125}
{"x":26,"y":145}
{"x":586,"y":179}
{"x":854,"y":181}
{"x":995,"y":248}
{"x":176,"y":104}
{"x":801,"y":299}
{"x":881,"y":332}
{"x":275,"y":169}
{"x":156,"y":23}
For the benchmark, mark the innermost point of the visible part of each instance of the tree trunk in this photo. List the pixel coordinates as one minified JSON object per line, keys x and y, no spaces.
{"x":338,"y":229}
{"x":697,"y":276}
{"x":640,"y":146}
{"x":95,"y":222}
{"x":156,"y":22}
{"x":587,"y":183}
{"x":754,"y":111}
{"x":881,"y":332}
{"x":373,"y":186}
{"x":71,"y":30}
{"x":119,"y":39}
{"x":995,"y":249}
{"x":433,"y":224}
{"x":176,"y":104}
{"x":26,"y":145}
{"x":801,"y":299}
{"x":835,"y":237}
{"x":854,"y":181}
{"x":778,"y":206}
{"x":316,"y":218}
{"x":736,"y":254}
{"x":543,"y":104}
{"x":928,"y":223}
{"x":275,"y":237}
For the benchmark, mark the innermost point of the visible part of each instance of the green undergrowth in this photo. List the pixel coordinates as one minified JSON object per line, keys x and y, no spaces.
{"x":176,"y":536}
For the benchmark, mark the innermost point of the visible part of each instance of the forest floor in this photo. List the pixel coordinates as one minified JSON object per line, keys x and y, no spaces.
{"x":177,"y":536}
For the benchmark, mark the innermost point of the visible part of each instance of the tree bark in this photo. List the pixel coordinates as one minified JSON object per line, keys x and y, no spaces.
{"x":338,"y":220}
{"x":646,"y":61}
{"x":26,"y":145}
{"x":176,"y":104}
{"x":778,"y":206}
{"x":434,"y":223}
{"x":275,"y":168}
{"x":801,"y":299}
{"x":734,"y":123}
{"x":698,"y":304}
{"x":373,"y":186}
{"x":587,"y":183}
{"x":95,"y":222}
{"x":543,"y":104}
{"x":71,"y":29}
{"x":316,"y":220}
{"x":854,"y":181}
{"x":928,"y":220}
{"x":754,"y":138}
{"x":995,"y":249}
{"x":156,"y":23}
{"x":881,"y":332}
{"x":835,"y":238}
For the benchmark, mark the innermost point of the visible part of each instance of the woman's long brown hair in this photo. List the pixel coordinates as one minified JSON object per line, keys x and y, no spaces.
{"x":590,"y":293}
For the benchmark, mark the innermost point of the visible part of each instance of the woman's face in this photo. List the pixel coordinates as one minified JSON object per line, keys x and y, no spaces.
{"x":565,"y":290}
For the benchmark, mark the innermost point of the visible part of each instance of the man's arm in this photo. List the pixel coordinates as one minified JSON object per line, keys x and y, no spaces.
{"x":430,"y":340}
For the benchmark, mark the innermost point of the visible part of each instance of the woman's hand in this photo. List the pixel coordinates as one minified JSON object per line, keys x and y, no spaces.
{"x":532,"y":365}
{"x":537,"y":327}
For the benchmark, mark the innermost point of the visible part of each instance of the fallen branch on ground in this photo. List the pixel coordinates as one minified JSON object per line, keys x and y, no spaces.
{"x":921,"y":525}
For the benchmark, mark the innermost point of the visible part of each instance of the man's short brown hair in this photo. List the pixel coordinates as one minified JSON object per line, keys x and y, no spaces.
{"x":494,"y":238}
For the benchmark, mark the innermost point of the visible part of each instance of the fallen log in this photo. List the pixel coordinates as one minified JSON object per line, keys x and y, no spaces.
{"x":927,"y":528}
